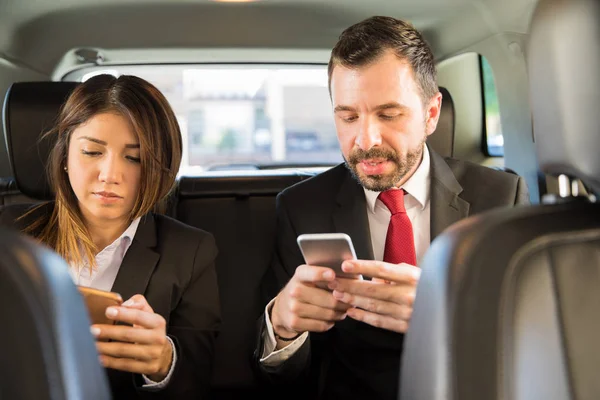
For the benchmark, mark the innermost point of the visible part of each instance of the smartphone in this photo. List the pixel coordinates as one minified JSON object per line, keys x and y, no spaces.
{"x":328,"y":250}
{"x":97,"y":301}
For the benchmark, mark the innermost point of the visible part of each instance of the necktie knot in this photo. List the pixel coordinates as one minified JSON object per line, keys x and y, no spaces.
{"x":393,"y":200}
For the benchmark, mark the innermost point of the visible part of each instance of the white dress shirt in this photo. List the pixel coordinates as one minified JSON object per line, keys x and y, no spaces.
{"x":417,"y":204}
{"x":108,"y":262}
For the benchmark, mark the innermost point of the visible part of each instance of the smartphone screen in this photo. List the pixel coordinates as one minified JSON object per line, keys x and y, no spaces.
{"x":328,"y":250}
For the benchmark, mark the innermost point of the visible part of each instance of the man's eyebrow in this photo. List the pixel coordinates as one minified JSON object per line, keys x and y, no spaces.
{"x":343,"y":108}
{"x":393,"y":104}
{"x":380,"y":107}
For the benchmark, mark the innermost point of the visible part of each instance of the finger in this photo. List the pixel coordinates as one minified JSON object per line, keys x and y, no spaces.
{"x":316,"y":296}
{"x":138,"y":302}
{"x":395,"y":293}
{"x":397,"y":311}
{"x":136,"y":317}
{"x":379,"y":321}
{"x":130,"y":365}
{"x":299,"y":324}
{"x":399,"y":273}
{"x":312,"y":274}
{"x":310,"y":311}
{"x":129,"y":350}
{"x":127,"y":334}
{"x":326,"y":285}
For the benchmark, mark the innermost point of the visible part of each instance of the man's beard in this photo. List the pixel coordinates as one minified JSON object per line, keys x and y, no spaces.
{"x":382,"y":182}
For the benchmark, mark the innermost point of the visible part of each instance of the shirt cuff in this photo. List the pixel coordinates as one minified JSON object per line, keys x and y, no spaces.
{"x":150,"y":384}
{"x":270,"y":356}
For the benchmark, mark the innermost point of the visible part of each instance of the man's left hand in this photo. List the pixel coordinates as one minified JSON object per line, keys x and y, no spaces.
{"x":387,"y":300}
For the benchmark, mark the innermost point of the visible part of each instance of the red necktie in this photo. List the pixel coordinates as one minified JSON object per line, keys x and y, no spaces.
{"x":399,"y":242}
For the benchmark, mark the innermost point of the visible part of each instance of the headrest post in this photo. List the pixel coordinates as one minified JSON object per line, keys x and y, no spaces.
{"x":564,"y":186}
{"x":575,"y":188}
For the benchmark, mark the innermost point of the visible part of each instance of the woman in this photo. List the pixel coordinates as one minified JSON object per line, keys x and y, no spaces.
{"x":117,"y":153}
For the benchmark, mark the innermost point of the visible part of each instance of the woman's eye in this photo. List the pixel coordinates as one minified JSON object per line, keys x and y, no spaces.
{"x":133,"y":159}
{"x":90,"y":153}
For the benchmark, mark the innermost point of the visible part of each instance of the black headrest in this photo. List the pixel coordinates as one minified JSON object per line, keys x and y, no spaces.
{"x":30,"y":109}
{"x":564,"y":74}
{"x":442,"y":140}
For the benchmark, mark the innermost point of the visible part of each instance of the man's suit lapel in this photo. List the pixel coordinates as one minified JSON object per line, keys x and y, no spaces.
{"x":139,"y":262}
{"x":446,"y":206}
{"x":350,"y":217}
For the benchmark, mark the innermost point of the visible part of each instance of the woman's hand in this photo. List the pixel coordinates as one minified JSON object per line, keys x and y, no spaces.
{"x":141,"y":348}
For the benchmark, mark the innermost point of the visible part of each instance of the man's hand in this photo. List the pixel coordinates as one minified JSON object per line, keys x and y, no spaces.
{"x":141,"y":348}
{"x":304,"y":306}
{"x":384,"y":302}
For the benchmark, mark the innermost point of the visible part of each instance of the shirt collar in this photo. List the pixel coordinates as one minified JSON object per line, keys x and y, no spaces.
{"x":128,"y":234}
{"x":131,"y":230}
{"x":416,"y":186}
{"x":127,"y":237}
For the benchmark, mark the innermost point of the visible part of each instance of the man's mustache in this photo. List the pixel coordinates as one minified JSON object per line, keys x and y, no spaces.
{"x":359,"y":155}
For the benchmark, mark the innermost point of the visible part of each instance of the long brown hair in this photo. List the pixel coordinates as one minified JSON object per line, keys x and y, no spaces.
{"x":157,"y":130}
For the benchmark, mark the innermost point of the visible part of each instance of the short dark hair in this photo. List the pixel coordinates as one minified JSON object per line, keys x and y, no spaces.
{"x":365,"y":41}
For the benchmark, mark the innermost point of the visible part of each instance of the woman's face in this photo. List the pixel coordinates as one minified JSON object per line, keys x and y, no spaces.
{"x":104,"y":169}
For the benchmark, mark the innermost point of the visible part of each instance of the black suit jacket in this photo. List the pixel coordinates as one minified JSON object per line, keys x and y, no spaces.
{"x":173,"y":266}
{"x":354,"y":360}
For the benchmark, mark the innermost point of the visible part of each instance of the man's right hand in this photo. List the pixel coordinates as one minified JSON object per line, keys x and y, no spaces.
{"x":304,"y":306}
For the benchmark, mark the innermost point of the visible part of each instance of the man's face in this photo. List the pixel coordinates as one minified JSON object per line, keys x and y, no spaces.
{"x":381,"y":121}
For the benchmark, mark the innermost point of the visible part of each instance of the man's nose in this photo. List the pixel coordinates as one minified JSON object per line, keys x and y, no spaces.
{"x":369,"y":135}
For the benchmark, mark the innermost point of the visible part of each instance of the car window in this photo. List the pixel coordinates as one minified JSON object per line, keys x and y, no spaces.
{"x":246,"y":116}
{"x":494,"y":141}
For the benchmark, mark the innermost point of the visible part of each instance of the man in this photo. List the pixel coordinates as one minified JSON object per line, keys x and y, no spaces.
{"x":329,"y":338}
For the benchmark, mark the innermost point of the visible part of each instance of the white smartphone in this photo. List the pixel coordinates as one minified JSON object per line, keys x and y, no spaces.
{"x":328,"y":250}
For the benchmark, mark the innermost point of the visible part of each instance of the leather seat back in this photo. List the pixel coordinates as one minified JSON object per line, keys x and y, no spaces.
{"x":47,"y":349}
{"x":508,"y":305}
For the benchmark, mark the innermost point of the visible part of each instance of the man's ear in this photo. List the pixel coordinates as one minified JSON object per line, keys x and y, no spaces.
{"x":432,"y":113}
